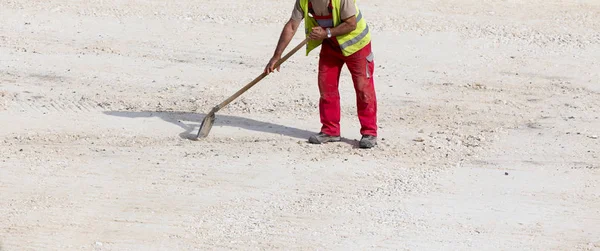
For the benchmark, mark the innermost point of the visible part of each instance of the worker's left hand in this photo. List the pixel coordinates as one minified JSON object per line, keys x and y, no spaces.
{"x":317,"y":33}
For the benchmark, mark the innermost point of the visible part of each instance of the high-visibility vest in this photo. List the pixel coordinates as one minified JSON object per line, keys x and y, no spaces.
{"x":349,"y":43}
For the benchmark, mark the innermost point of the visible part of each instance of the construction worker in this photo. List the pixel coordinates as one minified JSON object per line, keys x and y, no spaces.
{"x":340,"y":29}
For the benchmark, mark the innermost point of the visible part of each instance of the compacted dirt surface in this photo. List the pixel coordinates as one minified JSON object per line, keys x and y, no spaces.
{"x":488,"y":116}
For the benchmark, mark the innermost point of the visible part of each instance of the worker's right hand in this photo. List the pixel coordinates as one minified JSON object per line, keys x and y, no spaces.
{"x":271,"y":65}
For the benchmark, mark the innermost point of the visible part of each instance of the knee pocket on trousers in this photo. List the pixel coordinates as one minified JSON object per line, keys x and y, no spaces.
{"x":370,"y":59}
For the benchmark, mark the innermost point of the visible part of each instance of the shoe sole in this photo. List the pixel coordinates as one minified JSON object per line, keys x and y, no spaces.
{"x":367,"y":147}
{"x":360,"y":145}
{"x":315,"y":141}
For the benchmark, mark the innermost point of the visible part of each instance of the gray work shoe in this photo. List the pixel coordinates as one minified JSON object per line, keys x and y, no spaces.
{"x":321,"y":138}
{"x":367,"y":141}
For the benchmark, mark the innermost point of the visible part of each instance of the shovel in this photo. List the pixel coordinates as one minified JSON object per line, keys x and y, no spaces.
{"x":208,"y":121}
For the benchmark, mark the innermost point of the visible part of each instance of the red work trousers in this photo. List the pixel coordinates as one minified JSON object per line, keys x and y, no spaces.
{"x":361,"y":66}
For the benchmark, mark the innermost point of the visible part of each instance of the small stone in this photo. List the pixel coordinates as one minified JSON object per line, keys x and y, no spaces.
{"x":419,"y":139}
{"x":506,"y":173}
{"x":594,"y":136}
{"x":421,"y":131}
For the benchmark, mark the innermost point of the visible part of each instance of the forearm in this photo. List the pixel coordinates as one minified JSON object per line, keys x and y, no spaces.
{"x":284,"y":39}
{"x":343,"y":28}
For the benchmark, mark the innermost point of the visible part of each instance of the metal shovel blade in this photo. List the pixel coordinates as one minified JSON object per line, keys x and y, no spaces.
{"x":206,"y":125}
{"x":208,"y":121}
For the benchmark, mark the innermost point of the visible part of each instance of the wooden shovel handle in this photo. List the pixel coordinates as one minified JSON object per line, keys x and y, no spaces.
{"x":260,"y":77}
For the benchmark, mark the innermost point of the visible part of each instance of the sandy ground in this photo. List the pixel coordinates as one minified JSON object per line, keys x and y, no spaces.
{"x":488,"y":110}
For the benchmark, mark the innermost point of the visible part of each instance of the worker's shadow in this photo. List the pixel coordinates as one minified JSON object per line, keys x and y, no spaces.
{"x":191,"y":129}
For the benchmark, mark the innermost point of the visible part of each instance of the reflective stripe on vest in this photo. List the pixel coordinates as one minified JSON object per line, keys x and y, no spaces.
{"x":325,"y":23}
{"x":355,"y":39}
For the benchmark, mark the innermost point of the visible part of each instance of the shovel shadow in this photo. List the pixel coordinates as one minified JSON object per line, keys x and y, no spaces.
{"x":191,"y":129}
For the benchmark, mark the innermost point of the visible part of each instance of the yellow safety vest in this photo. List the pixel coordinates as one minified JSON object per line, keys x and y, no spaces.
{"x":349,"y":43}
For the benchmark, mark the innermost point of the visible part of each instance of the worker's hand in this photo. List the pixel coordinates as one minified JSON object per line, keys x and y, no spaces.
{"x":317,"y":33}
{"x":271,"y":65}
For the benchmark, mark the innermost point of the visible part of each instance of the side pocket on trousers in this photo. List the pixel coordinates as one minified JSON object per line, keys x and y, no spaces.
{"x":369,"y":61}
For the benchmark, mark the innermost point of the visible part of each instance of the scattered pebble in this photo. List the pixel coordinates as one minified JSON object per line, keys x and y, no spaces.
{"x":419,"y":139}
{"x":505,"y":173}
{"x":594,"y":136}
